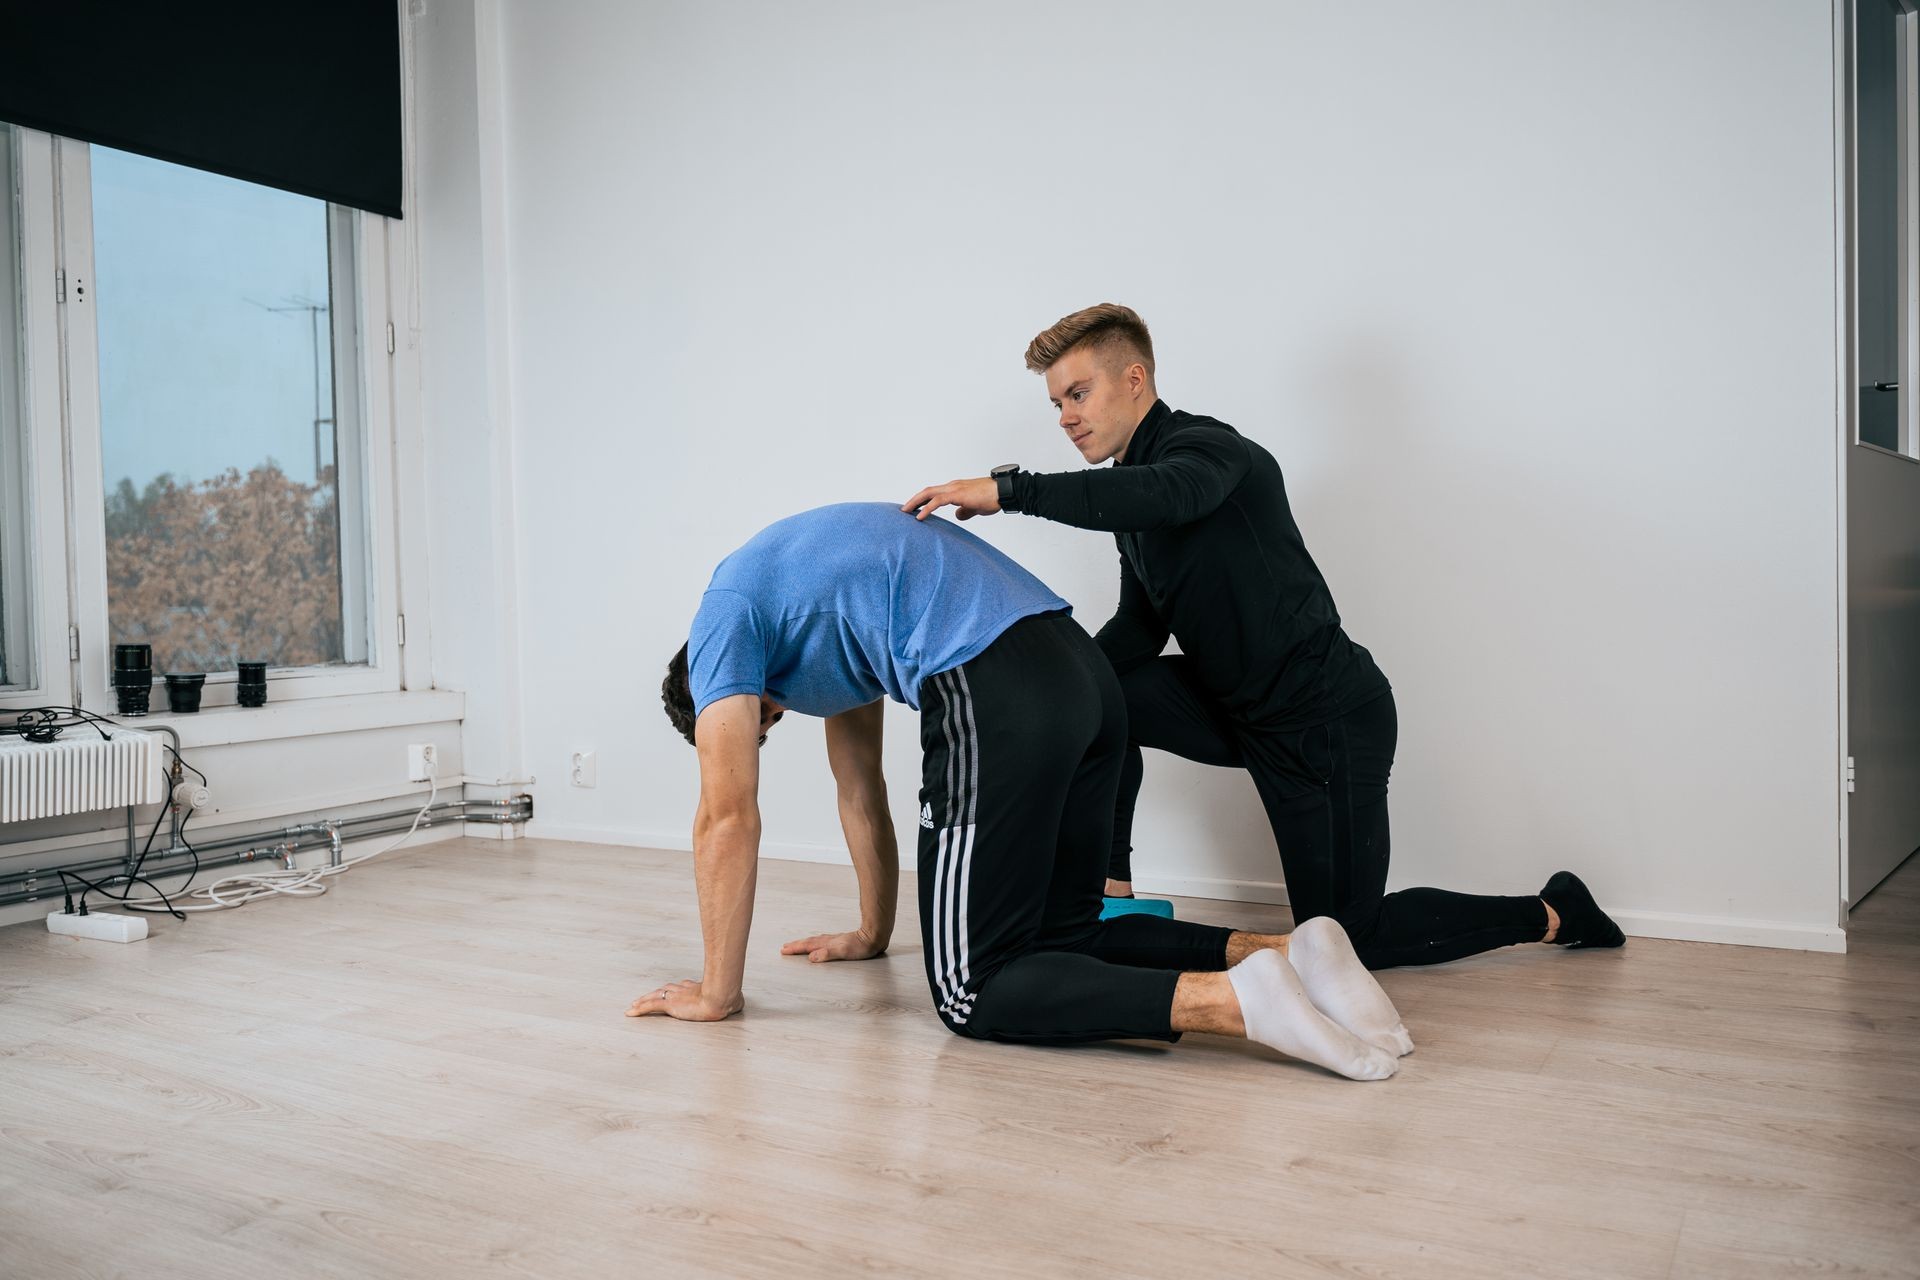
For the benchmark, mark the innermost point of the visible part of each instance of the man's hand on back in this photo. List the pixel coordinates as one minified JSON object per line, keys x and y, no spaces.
{"x":971,"y":498}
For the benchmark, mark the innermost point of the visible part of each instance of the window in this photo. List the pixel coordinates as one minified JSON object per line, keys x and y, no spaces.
{"x":16,"y":582}
{"x":191,"y":452}
{"x":221,"y":308}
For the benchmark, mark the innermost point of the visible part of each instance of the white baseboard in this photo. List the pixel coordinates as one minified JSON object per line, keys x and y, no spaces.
{"x":681,"y":841}
{"x":1782,"y":934}
{"x":1271,"y":892}
{"x":1638,"y":924}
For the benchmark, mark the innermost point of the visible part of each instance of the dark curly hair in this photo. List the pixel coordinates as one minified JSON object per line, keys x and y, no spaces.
{"x":677,"y":695}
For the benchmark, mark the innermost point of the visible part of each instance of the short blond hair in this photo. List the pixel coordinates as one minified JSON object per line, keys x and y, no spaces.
{"x":1108,"y":326}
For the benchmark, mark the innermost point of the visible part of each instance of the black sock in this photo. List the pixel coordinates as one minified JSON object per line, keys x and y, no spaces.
{"x":1582,"y":922}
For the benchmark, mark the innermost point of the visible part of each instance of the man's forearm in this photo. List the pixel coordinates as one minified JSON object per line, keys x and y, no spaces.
{"x":1191,"y":480}
{"x":726,"y":860}
{"x":868,"y":827}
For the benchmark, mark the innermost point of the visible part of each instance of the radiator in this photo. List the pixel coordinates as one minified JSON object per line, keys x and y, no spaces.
{"x":79,"y":774}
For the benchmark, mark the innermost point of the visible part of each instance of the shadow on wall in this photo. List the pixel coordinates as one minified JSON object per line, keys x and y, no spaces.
{"x":1366,"y":421}
{"x":1488,"y":579}
{"x":1514,"y":602}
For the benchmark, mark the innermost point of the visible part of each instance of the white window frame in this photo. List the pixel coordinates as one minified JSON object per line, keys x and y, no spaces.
{"x":49,"y":676}
{"x":64,"y":436}
{"x":18,"y":650}
{"x":381,"y":673}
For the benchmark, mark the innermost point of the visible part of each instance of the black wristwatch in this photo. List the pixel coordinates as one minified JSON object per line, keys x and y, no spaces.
{"x":1003,"y":481}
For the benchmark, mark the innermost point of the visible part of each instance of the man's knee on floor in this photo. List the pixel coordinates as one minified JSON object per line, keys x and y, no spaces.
{"x":955,"y":1009}
{"x":959,"y":1017}
{"x":969,"y":1011}
{"x":962,"y":1026}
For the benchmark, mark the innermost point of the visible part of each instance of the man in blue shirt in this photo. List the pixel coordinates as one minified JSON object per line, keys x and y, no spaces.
{"x":1023,"y":736}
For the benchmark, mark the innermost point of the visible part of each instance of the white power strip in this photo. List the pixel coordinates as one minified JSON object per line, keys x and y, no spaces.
{"x":104,"y":925}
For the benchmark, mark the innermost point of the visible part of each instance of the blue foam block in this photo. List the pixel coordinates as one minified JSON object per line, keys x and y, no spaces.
{"x":1111,"y":907}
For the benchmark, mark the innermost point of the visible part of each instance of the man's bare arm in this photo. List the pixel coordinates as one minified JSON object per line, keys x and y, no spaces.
{"x":853,"y":750}
{"x":726,"y":859}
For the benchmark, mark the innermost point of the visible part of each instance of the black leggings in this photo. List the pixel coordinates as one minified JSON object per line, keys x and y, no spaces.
{"x":1022,"y":753}
{"x":1325,"y":792}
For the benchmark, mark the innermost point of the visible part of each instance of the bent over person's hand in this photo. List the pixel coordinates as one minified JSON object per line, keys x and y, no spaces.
{"x":685,"y":1001}
{"x":979,"y":497}
{"x":856,"y":944}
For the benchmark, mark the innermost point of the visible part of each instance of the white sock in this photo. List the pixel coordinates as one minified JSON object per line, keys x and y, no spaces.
{"x":1340,"y":986}
{"x":1275,"y":1008}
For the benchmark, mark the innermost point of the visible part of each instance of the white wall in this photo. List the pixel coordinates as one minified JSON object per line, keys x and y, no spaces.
{"x":1534,"y":303}
{"x":454,"y":328}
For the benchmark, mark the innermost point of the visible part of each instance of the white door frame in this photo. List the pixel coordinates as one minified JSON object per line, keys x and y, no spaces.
{"x":1846,"y":349}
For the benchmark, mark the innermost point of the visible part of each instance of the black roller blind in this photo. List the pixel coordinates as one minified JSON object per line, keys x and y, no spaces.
{"x":303,"y":95}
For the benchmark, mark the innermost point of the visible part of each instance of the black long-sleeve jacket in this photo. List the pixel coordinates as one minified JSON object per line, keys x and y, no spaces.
{"x":1210,"y":553}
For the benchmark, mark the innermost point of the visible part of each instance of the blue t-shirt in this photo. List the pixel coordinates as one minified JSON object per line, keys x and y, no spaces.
{"x":827,"y":610}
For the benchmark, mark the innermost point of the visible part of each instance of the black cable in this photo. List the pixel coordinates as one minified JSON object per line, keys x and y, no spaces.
{"x":193,"y":874}
{"x":132,"y":880}
{"x":89,"y":887}
{"x":145,"y":849}
{"x":152,"y":831}
{"x":99,"y":723}
{"x":44,"y":724}
{"x":165,"y":901}
{"x":34,"y":726}
{"x":181,"y":834}
{"x":134,"y":877}
{"x":183,"y":762}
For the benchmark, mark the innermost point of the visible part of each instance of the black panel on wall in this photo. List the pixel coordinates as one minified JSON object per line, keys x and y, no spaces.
{"x":303,"y":95}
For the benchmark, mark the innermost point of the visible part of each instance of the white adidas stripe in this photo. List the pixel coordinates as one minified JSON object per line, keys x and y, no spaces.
{"x":973,"y":806}
{"x":945,"y":841}
{"x":953,"y":864}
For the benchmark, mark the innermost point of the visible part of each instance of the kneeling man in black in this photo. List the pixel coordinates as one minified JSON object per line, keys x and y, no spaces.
{"x":1267,"y":679}
{"x":1023,"y":739}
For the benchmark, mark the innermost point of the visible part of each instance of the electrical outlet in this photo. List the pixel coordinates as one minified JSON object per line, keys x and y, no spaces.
{"x":586,"y":769}
{"x":421,"y":760}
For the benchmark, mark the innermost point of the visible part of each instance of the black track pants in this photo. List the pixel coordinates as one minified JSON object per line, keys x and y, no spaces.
{"x":1023,"y":748}
{"x":1325,"y":792}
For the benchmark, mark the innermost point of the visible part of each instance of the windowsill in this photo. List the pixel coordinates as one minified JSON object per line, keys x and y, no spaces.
{"x":304,"y":717}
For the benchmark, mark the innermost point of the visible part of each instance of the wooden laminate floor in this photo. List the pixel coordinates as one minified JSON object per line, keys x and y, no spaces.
{"x":426,"y":1073}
